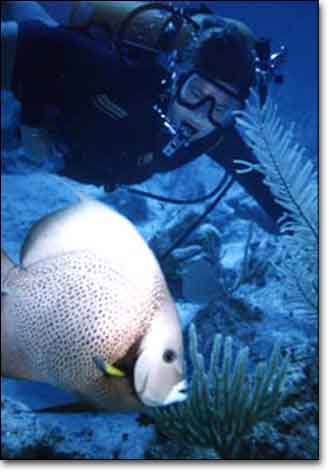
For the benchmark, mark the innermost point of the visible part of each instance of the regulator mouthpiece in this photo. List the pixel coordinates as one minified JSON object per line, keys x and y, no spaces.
{"x":182,"y":138}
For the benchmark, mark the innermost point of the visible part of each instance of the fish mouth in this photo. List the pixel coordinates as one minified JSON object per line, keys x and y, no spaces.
{"x":178,"y":394}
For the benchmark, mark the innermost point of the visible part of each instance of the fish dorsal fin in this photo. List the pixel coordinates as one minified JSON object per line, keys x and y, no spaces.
{"x":63,"y":231}
{"x":94,"y":226}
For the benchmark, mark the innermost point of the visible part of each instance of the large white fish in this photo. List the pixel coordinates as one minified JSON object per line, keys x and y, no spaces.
{"x":88,"y":310}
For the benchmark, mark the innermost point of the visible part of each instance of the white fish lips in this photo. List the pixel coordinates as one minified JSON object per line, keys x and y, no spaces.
{"x":177,"y":394}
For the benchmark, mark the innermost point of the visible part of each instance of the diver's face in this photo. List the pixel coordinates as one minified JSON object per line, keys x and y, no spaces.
{"x":202,"y":105}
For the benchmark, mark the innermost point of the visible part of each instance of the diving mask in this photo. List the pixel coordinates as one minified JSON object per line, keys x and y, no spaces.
{"x":211,"y":99}
{"x":208,"y":102}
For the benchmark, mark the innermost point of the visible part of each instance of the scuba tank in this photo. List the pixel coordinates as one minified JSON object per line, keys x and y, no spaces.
{"x":150,"y":25}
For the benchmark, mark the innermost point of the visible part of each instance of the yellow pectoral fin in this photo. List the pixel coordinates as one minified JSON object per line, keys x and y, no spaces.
{"x":108,"y":369}
{"x":113,"y":371}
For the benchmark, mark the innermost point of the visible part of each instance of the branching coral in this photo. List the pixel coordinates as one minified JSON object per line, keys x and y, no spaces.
{"x":225,"y":402}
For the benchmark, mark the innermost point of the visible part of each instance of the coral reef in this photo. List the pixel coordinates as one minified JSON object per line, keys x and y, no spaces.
{"x":29,"y":435}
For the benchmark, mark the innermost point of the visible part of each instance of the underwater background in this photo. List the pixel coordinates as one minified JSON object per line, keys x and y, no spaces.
{"x":228,"y":278}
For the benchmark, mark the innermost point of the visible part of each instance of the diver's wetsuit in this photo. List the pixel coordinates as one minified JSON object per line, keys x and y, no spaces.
{"x":101,"y":101}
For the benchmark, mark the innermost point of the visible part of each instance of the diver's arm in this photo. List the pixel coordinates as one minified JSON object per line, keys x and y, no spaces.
{"x":21,"y":11}
{"x":233,"y":147}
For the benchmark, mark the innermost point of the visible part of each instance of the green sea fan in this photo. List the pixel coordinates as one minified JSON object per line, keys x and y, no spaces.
{"x":225,"y":402}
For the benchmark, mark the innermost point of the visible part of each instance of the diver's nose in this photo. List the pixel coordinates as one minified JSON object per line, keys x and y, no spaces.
{"x":202,"y":114}
{"x":204,"y":108}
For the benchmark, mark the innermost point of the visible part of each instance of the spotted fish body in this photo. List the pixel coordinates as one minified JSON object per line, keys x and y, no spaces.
{"x":78,"y":294}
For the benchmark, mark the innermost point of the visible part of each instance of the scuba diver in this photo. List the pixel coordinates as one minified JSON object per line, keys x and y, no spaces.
{"x":129,"y":89}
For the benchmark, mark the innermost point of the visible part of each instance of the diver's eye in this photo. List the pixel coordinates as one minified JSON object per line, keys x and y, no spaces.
{"x":169,"y":356}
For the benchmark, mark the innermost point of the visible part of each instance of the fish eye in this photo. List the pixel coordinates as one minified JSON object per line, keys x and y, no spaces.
{"x":169,"y":356}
